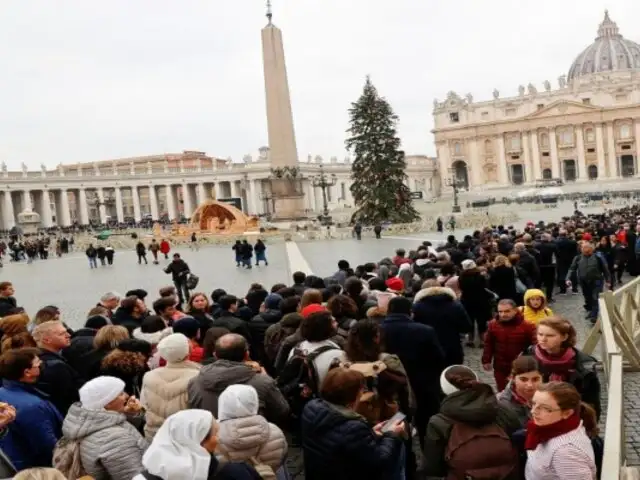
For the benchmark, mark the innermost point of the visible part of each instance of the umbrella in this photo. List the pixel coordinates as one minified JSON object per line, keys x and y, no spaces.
{"x":104,"y":235}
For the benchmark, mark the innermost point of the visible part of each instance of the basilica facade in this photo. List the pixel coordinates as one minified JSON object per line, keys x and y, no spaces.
{"x":583,"y":129}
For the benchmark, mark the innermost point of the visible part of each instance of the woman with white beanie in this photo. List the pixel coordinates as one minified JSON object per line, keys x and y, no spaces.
{"x":164,"y":389}
{"x":244,"y":435}
{"x":471,"y":436}
{"x":110,"y":446}
{"x":183,"y":450}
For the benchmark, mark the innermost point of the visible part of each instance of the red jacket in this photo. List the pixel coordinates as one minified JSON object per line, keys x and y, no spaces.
{"x":505,"y":341}
{"x":165,"y":247}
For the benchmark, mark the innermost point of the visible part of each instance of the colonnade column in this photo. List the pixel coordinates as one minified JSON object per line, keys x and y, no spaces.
{"x":136,"y":204}
{"x":602,"y":169}
{"x":251,"y":198}
{"x":171,"y":203}
{"x":84,"y":210}
{"x":9,"y":216}
{"x":153,"y":200}
{"x":187,"y":207}
{"x":535,"y":154}
{"x":637,"y":137}
{"x":202,"y":194}
{"x":65,"y":215}
{"x":216,"y":190}
{"x":26,"y":200}
{"x":582,"y":159}
{"x":119,"y":208}
{"x":45,"y":206}
{"x":102,"y":210}
{"x":612,"y":156}
{"x":502,"y":162}
{"x":553,"y":146}
{"x":526,"y":154}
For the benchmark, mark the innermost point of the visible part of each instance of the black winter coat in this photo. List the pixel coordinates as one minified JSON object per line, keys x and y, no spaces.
{"x":438,"y":308}
{"x":59,"y":380}
{"x":338,"y":444}
{"x":475,"y":298}
{"x":257,"y":329}
{"x":233,"y":324}
{"x":81,"y":344}
{"x":502,"y":281}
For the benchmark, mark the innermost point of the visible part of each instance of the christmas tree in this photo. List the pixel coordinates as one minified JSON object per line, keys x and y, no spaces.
{"x":378,"y":170}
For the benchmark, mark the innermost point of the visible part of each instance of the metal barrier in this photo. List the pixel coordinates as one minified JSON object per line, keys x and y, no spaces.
{"x":618,"y":332}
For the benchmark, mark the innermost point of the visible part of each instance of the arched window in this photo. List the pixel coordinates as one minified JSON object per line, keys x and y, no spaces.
{"x":625,"y":131}
{"x":488,"y":146}
{"x":566,"y":136}
{"x":544,"y":140}
{"x":592,"y":172}
{"x":590,"y":135}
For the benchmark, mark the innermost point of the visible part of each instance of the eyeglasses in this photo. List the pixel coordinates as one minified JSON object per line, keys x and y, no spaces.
{"x":544,"y":408}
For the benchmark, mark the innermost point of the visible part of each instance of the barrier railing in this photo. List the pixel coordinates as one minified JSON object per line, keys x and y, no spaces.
{"x":618,"y":332}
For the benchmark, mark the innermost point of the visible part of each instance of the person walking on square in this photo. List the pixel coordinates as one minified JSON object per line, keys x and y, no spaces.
{"x":165,"y":248}
{"x":102,"y":254}
{"x":179,"y":271}
{"x":592,"y":273}
{"x":237,"y":248}
{"x":154,"y":248}
{"x":109,"y":252}
{"x":260,"y":248}
{"x":377,"y":230}
{"x":141,"y":250}
{"x":194,"y":242}
{"x":247,"y":253}
{"x":92,"y":255}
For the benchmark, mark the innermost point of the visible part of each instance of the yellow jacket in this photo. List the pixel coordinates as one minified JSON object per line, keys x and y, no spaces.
{"x":534,"y":316}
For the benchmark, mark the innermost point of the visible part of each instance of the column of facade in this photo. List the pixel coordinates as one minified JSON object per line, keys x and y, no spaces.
{"x":136,"y":203}
{"x":235,"y":189}
{"x":26,"y":200}
{"x":102,"y":209}
{"x":529,"y":176}
{"x":535,"y":156}
{"x":187,"y":204}
{"x":474,"y":162}
{"x":637,"y":137}
{"x":611,"y":149}
{"x":259,"y":200}
{"x":119,"y":208}
{"x":171,"y":203}
{"x":45,"y":207}
{"x":602,"y":169}
{"x":82,"y":205}
{"x":65,"y":214}
{"x":202,"y":194}
{"x":153,"y":200}
{"x":582,"y":159}
{"x":503,"y":173}
{"x":553,"y":146}
{"x":217,"y":190}
{"x":251,"y":198}
{"x":7,"y":212}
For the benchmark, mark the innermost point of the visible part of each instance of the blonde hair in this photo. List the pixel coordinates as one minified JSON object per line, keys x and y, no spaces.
{"x":40,"y":332}
{"x":40,"y":474}
{"x":501,"y":261}
{"x":109,"y":337}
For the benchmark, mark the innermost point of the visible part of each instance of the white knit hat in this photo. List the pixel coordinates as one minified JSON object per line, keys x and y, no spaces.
{"x":446,"y":386}
{"x":100,"y":391}
{"x":468,"y":264}
{"x":174,"y":348}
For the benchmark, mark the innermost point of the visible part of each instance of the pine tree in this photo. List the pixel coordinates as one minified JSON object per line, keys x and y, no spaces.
{"x":378,"y":171}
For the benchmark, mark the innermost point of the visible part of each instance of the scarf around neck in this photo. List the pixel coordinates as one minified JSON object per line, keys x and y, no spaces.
{"x":558,"y":367}
{"x":541,"y":434}
{"x":516,"y":397}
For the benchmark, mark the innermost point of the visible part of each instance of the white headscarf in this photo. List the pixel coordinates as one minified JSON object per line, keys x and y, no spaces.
{"x":238,"y":401}
{"x":176,"y":453}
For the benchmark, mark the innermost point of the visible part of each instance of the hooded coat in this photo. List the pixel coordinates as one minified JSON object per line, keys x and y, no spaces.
{"x":110,"y":447}
{"x":531,"y":315}
{"x":476,"y":406}
{"x":439,"y":308}
{"x":205,"y":389}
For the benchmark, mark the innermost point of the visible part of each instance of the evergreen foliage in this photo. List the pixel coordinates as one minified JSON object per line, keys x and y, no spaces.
{"x":378,"y":170}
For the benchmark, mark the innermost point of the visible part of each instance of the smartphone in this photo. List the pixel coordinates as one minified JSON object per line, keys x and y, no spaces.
{"x":397,"y":418}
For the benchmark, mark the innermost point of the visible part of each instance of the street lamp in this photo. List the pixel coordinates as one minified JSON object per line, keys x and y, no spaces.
{"x":456,"y":183}
{"x":324,"y":182}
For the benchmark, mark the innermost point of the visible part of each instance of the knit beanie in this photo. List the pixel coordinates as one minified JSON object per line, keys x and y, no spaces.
{"x":100,"y":391}
{"x":174,"y":348}
{"x":188,"y":326}
{"x":312,"y":308}
{"x":447,"y":387}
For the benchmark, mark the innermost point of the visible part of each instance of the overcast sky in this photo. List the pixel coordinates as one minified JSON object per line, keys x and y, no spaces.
{"x":84,"y":80}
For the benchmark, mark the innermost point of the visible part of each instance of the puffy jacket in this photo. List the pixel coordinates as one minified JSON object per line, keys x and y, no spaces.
{"x":206,"y":387}
{"x":164,"y":392}
{"x":30,"y":438}
{"x":239,"y":439}
{"x":439,"y":308}
{"x":338,"y":444}
{"x":110,"y":447}
{"x":531,"y":315}
{"x":505,"y":341}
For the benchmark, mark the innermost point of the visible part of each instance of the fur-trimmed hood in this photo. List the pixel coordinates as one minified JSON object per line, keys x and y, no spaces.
{"x":434,"y":291}
{"x":153,"y":338}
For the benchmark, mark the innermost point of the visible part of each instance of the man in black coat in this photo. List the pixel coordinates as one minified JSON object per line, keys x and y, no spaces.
{"x":227,"y":319}
{"x":548,"y":251}
{"x":566,"y":250}
{"x":421,"y":354}
{"x":179,"y":271}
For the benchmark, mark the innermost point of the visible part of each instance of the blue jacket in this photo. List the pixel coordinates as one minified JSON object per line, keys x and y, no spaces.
{"x":31,"y":437}
{"x":338,"y":444}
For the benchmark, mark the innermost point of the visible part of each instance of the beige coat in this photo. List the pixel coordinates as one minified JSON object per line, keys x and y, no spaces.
{"x":164,"y":392}
{"x":239,"y":439}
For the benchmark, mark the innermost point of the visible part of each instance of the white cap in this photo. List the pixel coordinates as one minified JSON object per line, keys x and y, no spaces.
{"x":100,"y":391}
{"x":174,"y":348}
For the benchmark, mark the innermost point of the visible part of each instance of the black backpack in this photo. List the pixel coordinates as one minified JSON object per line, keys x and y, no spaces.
{"x":298,"y":380}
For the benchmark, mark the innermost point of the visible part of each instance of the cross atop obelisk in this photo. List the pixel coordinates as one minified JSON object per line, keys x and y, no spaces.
{"x":282,"y":138}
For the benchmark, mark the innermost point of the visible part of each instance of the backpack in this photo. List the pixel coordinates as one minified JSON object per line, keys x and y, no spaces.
{"x":480,"y":453}
{"x":377,"y":401}
{"x":298,"y":380}
{"x":192,"y":281}
{"x":66,"y":458}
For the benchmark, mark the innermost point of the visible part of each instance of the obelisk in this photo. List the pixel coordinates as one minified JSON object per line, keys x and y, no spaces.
{"x":288,"y":199}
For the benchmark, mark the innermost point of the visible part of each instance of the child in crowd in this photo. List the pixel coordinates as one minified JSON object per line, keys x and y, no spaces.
{"x":535,"y":306}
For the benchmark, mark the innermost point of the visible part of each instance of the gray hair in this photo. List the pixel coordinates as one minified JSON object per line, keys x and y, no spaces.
{"x":508,"y":301}
{"x":42,"y":331}
{"x":107,"y":297}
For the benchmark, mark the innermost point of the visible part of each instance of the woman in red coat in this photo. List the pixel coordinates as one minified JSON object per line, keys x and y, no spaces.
{"x":165,"y":248}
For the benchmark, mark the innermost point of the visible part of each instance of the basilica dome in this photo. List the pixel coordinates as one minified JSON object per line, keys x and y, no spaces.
{"x":610,"y":52}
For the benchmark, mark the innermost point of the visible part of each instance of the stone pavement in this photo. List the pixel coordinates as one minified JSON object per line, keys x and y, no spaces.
{"x":72,"y":286}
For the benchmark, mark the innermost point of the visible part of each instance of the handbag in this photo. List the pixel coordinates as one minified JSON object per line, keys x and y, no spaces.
{"x":520,"y":286}
{"x":192,"y":281}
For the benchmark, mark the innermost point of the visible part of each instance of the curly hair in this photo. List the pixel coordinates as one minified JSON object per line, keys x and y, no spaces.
{"x":364,"y":341}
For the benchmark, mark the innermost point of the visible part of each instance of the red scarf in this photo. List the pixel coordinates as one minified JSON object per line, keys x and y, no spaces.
{"x":537,"y":435}
{"x":517,"y":398}
{"x":558,"y":367}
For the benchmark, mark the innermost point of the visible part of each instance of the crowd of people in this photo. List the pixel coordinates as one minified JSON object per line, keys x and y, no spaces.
{"x":355,"y":370}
